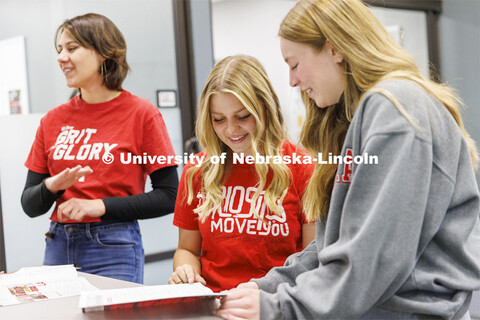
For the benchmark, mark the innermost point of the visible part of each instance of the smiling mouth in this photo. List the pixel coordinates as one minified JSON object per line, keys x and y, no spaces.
{"x":238,"y":138}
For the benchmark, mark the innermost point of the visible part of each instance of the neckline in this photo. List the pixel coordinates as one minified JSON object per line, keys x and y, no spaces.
{"x":80,"y":103}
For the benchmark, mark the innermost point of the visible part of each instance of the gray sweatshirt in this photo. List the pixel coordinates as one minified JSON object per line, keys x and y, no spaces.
{"x":402,"y":235}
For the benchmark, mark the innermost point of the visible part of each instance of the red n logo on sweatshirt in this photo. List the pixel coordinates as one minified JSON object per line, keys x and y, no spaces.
{"x":346,"y":175}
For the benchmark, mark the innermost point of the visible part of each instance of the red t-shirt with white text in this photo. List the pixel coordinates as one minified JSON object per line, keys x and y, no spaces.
{"x":104,"y":136}
{"x":236,"y":245}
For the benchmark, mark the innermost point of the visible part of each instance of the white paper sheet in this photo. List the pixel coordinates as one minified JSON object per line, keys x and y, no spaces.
{"x":41,"y":283}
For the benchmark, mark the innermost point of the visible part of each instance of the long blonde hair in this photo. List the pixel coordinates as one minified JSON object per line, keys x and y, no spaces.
{"x":370,"y":56}
{"x":245,"y":78}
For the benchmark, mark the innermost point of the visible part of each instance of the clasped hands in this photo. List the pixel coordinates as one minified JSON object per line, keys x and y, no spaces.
{"x":74,"y":209}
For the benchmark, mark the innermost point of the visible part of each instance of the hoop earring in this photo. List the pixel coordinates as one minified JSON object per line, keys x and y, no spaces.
{"x":103,"y":71}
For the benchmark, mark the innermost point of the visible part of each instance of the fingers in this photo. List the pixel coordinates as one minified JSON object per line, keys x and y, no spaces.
{"x":83,"y":172}
{"x":236,"y":294}
{"x":174,"y":279}
{"x":239,"y":297}
{"x":248,"y":285}
{"x":77,"y":172}
{"x":199,"y":278}
{"x":241,"y":312}
{"x":67,"y":210}
{"x":63,"y":211}
{"x":77,"y":214}
{"x":186,"y":274}
{"x":230,"y":315}
{"x":86,"y":170}
{"x":240,"y":304}
{"x":78,"y":209}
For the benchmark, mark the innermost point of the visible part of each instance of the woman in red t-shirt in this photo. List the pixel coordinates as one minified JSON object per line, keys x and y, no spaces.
{"x":239,"y":208}
{"x":80,"y":158}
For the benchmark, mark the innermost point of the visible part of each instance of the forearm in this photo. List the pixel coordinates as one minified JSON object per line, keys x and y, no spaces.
{"x":156,"y":203}
{"x":183,"y":256}
{"x":36,"y":198}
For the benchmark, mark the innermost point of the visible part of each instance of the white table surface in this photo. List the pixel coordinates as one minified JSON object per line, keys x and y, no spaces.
{"x":67,"y":308}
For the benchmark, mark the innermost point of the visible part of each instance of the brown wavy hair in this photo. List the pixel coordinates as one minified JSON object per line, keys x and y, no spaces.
{"x":97,"y":32}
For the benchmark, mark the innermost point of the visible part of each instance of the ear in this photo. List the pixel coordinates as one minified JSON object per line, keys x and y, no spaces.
{"x":335,"y":54}
{"x":101,"y":58}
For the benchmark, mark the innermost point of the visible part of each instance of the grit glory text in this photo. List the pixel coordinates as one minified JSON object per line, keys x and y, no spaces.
{"x":69,"y":137}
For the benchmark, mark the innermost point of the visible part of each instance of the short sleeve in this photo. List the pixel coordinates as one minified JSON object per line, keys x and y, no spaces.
{"x":156,"y":142}
{"x":184,"y":217}
{"x":37,"y":160}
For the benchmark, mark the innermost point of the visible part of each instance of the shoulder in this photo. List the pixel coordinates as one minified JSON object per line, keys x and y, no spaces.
{"x":140,"y":104}
{"x":194,"y":161}
{"x":396,"y":106}
{"x":409,"y":94}
{"x":59,"y":112}
{"x":299,"y":159}
{"x":402,"y":87}
{"x":289,"y":148}
{"x":412,"y":96}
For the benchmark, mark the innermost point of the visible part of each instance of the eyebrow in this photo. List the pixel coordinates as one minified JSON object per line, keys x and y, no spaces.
{"x":288,"y":58}
{"x":68,"y":43}
{"x":238,"y":111}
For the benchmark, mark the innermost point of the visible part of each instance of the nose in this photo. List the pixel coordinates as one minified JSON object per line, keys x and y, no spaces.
{"x":293,"y":81}
{"x":62,"y":57}
{"x":231,"y":126}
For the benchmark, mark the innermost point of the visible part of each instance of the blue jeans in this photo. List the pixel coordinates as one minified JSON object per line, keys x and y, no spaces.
{"x":110,"y":249}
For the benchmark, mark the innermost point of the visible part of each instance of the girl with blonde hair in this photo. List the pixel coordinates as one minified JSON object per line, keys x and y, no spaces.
{"x":239,"y":207}
{"x":397,"y":238}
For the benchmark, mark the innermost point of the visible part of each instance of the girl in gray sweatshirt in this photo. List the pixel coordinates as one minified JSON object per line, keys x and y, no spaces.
{"x":394,"y":190}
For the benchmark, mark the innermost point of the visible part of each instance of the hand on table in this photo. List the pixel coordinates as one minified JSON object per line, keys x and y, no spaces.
{"x":186,"y":274}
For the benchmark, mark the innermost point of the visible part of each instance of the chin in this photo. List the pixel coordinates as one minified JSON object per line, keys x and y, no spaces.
{"x":323,"y":105}
{"x":239,"y":151}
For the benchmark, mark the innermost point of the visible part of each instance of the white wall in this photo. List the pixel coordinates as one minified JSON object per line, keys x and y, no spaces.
{"x":13,"y":76}
{"x":459,"y":28}
{"x":251,"y":27}
{"x":24,"y":236}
